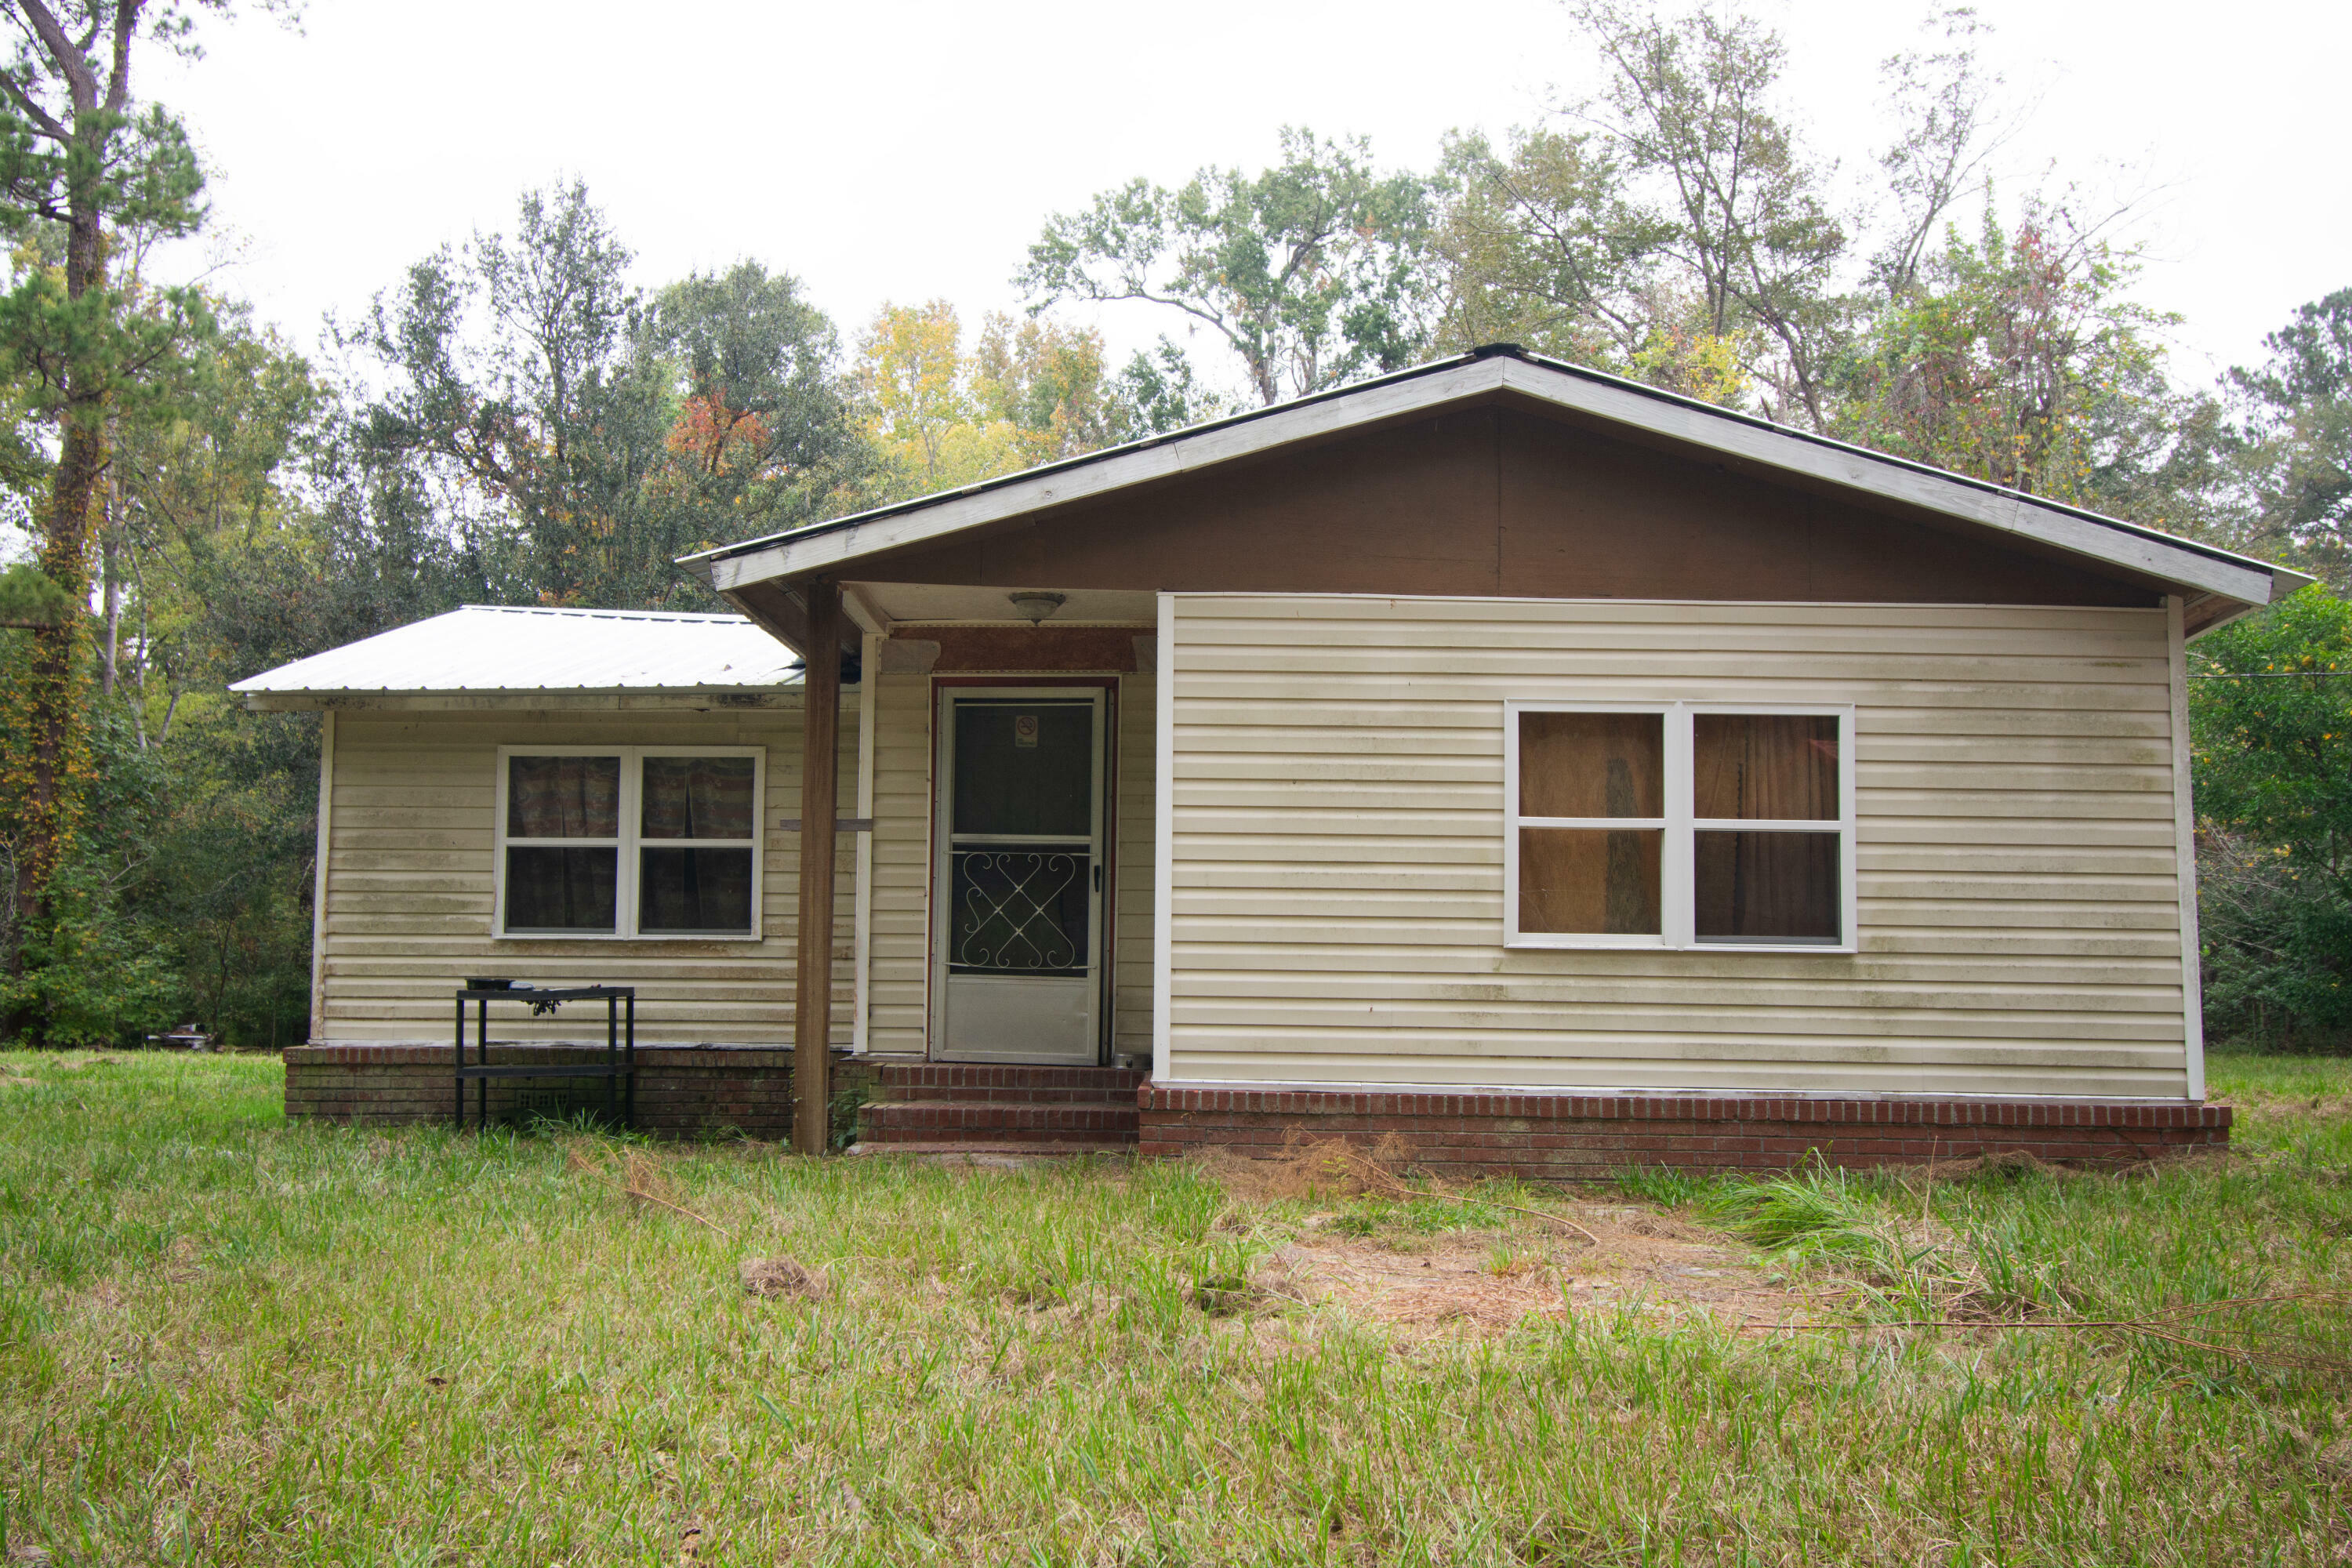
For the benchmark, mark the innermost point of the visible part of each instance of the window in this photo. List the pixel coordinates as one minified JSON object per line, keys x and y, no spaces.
{"x":1678,"y":825}
{"x":629,"y":841}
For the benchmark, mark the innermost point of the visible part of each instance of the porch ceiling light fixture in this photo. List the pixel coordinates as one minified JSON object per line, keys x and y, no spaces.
{"x":1035,"y":606}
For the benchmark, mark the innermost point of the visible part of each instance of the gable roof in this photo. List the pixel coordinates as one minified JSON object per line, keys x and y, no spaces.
{"x":491,"y":649}
{"x":1479,"y":376}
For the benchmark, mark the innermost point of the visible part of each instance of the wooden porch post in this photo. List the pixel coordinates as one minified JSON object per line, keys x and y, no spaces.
{"x":813,"y":981}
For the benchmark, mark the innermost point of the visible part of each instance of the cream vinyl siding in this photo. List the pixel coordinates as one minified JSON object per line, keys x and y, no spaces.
{"x":410,"y":878}
{"x":898,"y":1020}
{"x":895,"y":1019}
{"x":1131,"y":931}
{"x":1337,"y":855}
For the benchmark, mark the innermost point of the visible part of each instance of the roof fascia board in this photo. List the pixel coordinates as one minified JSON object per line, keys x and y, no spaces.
{"x":1221,"y":444}
{"x":1855,"y":469}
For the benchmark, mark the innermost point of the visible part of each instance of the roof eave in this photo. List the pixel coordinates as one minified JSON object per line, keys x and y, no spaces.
{"x":316,"y":699}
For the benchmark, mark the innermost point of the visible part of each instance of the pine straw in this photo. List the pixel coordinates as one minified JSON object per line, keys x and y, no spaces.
{"x":641,"y":1180}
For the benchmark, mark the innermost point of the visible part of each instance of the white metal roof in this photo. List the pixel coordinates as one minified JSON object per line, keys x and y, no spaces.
{"x":499,"y":649}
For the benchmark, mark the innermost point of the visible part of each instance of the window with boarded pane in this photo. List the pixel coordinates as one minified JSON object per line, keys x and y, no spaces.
{"x":629,"y":842}
{"x":1592,"y":823}
{"x":1679,"y":824}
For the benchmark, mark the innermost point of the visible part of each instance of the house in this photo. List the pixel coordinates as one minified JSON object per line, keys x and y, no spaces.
{"x":1551,"y":770}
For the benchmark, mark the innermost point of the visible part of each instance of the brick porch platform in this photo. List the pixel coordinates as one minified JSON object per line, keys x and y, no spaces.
{"x":969,"y":1108}
{"x":683,"y":1091}
{"x":1580,"y":1138}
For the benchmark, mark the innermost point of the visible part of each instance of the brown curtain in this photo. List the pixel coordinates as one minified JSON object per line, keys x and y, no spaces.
{"x":563,"y":797}
{"x":699,"y":797}
{"x":1767,"y":887}
{"x":1763,"y":766}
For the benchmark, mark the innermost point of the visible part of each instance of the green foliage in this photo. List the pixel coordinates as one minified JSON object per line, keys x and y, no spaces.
{"x":89,"y":975}
{"x":570,"y":437}
{"x":2270,"y":716}
{"x":2297,"y":443}
{"x":27,"y":597}
{"x":1158,"y":391}
{"x":1312,"y":272}
{"x":1544,"y":246}
{"x":2017,"y":357}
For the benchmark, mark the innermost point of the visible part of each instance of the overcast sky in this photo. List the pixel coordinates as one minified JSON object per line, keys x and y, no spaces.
{"x":908,"y":151}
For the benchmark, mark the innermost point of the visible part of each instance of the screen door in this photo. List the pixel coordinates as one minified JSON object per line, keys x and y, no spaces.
{"x":1016,"y":969}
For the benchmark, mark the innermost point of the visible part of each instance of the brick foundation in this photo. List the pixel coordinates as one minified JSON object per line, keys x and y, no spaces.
{"x":1580,"y":1138}
{"x":683,"y":1091}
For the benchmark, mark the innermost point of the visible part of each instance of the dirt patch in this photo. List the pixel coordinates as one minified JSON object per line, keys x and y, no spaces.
{"x":1554,"y":1256}
{"x":1488,"y":1286}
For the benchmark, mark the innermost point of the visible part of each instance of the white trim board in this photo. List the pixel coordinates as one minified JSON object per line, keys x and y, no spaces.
{"x":1163,"y":837}
{"x":2184,"y":837}
{"x":2110,"y":542}
{"x":861,"y":920}
{"x":318,"y":891}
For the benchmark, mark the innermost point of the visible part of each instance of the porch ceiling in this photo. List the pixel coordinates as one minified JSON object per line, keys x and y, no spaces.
{"x":880,"y":605}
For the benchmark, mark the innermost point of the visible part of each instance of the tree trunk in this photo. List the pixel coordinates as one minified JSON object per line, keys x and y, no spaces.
{"x":110,"y":572}
{"x":53,"y":802}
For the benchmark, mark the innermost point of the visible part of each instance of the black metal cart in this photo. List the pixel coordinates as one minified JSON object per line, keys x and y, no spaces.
{"x":619,"y":1068}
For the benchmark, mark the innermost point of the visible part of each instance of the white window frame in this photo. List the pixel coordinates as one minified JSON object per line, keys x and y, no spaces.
{"x":1678,"y":893}
{"x":629,"y":842}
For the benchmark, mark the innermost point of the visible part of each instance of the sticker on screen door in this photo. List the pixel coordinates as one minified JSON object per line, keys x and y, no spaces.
{"x":1025,"y":729}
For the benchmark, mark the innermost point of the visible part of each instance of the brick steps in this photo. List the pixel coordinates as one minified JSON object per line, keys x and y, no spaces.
{"x":902,"y":1120}
{"x":935,"y":1107}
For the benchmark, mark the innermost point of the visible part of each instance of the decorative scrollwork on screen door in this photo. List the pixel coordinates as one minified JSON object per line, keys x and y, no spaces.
{"x":1020,"y":911}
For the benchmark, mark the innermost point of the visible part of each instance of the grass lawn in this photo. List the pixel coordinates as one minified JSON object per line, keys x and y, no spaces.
{"x":227,"y":1339}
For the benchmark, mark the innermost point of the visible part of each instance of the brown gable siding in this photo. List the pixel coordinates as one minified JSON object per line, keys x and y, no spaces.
{"x":1497,"y":501}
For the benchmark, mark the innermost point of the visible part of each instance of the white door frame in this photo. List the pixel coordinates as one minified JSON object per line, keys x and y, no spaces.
{"x":1093,"y":1004}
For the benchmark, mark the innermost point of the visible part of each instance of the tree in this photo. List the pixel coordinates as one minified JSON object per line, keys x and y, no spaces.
{"x":1673,"y":228}
{"x":1030,"y":392}
{"x":2295,"y":451}
{"x":1158,"y":391}
{"x":2018,"y":357}
{"x":2271,"y":715}
{"x":1542,"y":246}
{"x":1946,"y":131}
{"x":911,"y":379}
{"x":1725,"y":186}
{"x":1314,"y":272}
{"x":760,"y":439}
{"x":1045,"y":380}
{"x":515,"y":419}
{"x":78,"y":165}
{"x":571,"y":436}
